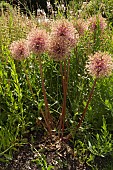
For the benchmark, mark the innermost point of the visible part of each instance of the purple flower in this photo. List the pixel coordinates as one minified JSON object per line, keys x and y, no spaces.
{"x":65,"y":30}
{"x":62,"y":39}
{"x":19,"y":50}
{"x":58,"y":49}
{"x":97,"y":21}
{"x":100,"y":64}
{"x":37,"y":41}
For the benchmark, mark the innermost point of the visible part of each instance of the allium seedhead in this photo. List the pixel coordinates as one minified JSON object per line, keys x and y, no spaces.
{"x":37,"y":41}
{"x":65,"y":30}
{"x":58,"y":48}
{"x":63,"y":38}
{"x":19,"y":50}
{"x":81,"y":26}
{"x":97,"y":21}
{"x":100,"y":64}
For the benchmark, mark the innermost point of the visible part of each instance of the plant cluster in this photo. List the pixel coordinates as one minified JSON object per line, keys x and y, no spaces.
{"x":59,"y":43}
{"x":52,"y":73}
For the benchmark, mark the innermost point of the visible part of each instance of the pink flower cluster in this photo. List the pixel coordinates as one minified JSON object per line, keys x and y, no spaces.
{"x":19,"y":49}
{"x":92,"y":24}
{"x":100,"y":64}
{"x":62,"y":39}
{"x":58,"y":44}
{"x":97,"y":21}
{"x":37,"y":41}
{"x":64,"y":29}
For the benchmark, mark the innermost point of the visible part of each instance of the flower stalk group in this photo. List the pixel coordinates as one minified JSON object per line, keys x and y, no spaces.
{"x":58,"y":44}
{"x":65,"y":76}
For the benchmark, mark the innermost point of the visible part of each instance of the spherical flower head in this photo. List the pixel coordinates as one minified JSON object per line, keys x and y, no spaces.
{"x":81,"y":26}
{"x":65,"y":30}
{"x":19,"y":50}
{"x":97,"y":21}
{"x":37,"y":41}
{"x":100,"y":64}
{"x":58,"y":48}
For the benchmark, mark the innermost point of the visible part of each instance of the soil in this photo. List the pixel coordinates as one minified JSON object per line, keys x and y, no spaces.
{"x":44,"y":153}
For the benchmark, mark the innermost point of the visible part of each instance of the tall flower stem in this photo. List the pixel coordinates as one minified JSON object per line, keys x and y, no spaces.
{"x":30,"y":87}
{"x":65,"y":76}
{"x":48,"y":117}
{"x":85,"y":109}
{"x":89,"y":99}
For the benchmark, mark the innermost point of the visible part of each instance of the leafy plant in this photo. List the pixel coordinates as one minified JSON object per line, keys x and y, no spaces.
{"x":41,"y":161}
{"x":102,"y":144}
{"x":94,"y":148}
